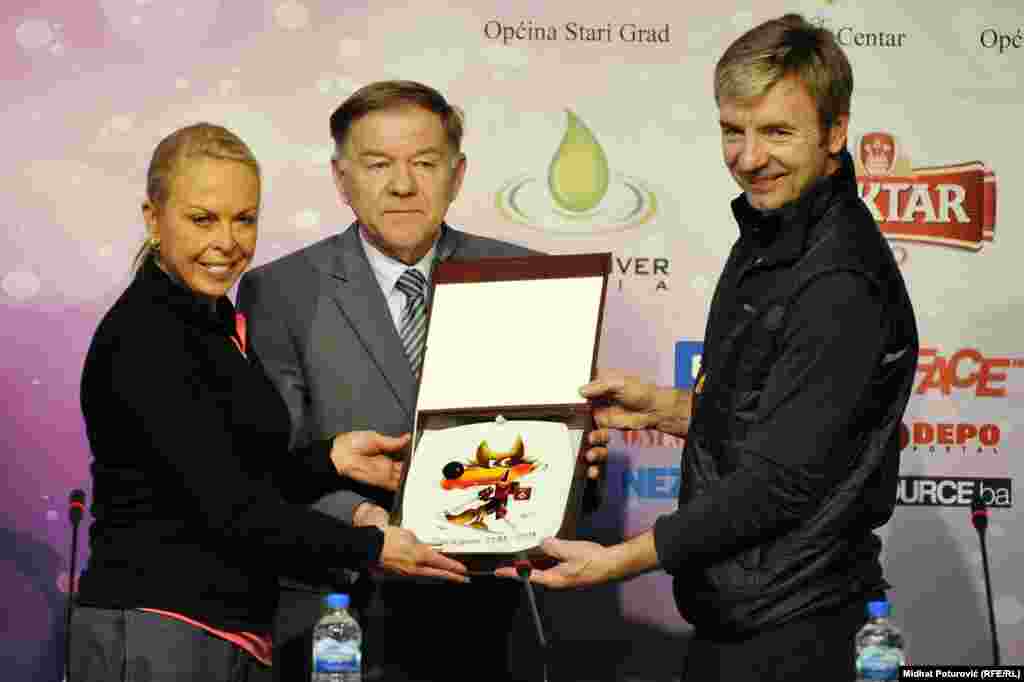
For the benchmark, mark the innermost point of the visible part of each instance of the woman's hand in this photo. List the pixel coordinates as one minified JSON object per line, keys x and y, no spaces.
{"x":404,"y":555}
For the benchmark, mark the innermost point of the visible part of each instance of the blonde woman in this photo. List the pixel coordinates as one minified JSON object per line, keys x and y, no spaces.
{"x":194,"y":517}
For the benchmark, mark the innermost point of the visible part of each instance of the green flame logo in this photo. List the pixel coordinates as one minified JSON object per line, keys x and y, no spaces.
{"x":578,"y":175}
{"x":582,"y":195}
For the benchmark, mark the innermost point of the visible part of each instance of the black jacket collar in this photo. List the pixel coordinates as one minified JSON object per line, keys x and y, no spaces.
{"x":782,"y":235}
{"x":185,"y":303}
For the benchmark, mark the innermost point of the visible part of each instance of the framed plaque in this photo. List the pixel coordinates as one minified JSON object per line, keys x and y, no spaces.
{"x":496,"y":462}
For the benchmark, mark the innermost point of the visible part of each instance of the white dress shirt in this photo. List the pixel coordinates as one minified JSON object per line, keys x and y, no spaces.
{"x":387,"y":270}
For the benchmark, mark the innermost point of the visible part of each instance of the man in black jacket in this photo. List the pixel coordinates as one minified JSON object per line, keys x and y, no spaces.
{"x":792,"y":429}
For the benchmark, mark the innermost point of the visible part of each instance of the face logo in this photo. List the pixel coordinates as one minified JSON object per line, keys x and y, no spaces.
{"x":878,"y":153}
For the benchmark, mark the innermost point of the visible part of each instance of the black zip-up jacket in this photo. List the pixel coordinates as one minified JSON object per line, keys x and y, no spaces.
{"x":793,"y":452}
{"x":194,"y":509}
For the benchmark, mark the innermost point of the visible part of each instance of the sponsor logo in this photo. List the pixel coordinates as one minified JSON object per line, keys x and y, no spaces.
{"x":580,"y":194}
{"x":688,"y":357}
{"x":952,"y":205}
{"x":829,"y":14}
{"x":947,"y":437}
{"x":648,"y":268}
{"x":994,"y":39}
{"x":965,"y":370}
{"x":529,"y":30}
{"x":651,"y":483}
{"x":953,"y":492}
{"x":851,"y":36}
{"x":651,"y":439}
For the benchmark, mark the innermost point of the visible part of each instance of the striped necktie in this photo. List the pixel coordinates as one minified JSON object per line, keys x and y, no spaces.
{"x":413,"y":284}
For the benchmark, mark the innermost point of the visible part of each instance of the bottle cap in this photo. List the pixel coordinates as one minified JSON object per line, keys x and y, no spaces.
{"x":337,"y":601}
{"x":879,"y":609}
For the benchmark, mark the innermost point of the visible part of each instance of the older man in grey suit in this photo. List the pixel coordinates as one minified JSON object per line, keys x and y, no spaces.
{"x":338,"y":325}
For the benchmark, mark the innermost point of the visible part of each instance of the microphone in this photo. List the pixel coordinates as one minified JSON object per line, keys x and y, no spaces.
{"x":979,"y":518}
{"x":76,"y":508}
{"x":523,"y":568}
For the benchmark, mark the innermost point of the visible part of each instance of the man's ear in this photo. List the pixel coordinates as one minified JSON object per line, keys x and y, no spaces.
{"x":149,"y":214}
{"x":458,"y":174}
{"x":837,"y":134}
{"x":338,"y":172}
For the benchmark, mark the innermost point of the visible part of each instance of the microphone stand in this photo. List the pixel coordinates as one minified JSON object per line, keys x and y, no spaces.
{"x":76,"y":507}
{"x":523,"y":568}
{"x":979,"y":517}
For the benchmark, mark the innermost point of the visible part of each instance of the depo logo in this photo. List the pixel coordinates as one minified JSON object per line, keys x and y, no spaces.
{"x":581,"y":194}
{"x":962,"y":437}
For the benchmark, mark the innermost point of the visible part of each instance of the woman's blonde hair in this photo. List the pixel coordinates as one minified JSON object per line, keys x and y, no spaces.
{"x":200,"y":140}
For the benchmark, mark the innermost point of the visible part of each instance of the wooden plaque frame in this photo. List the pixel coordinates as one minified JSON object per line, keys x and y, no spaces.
{"x":444,"y":410}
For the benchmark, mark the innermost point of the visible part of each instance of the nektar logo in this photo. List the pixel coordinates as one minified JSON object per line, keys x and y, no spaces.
{"x":951,"y":205}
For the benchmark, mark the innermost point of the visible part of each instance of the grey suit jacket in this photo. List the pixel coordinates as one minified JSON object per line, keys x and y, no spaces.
{"x":320,"y":324}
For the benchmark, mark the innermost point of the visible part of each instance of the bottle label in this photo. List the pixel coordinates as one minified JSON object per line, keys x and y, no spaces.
{"x":879,"y":663}
{"x":332,"y":656}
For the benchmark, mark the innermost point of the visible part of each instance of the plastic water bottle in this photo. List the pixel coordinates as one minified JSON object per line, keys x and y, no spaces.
{"x":337,"y":644}
{"x":880,"y":645}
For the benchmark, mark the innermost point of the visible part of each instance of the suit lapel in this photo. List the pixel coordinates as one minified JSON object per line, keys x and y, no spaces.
{"x":448,"y":245}
{"x":357,"y":294}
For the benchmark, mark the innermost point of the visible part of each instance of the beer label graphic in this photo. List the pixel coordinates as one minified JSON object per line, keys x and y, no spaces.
{"x":952,"y":205}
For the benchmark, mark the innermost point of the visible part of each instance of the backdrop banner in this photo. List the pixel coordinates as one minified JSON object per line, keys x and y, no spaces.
{"x":590,"y":127}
